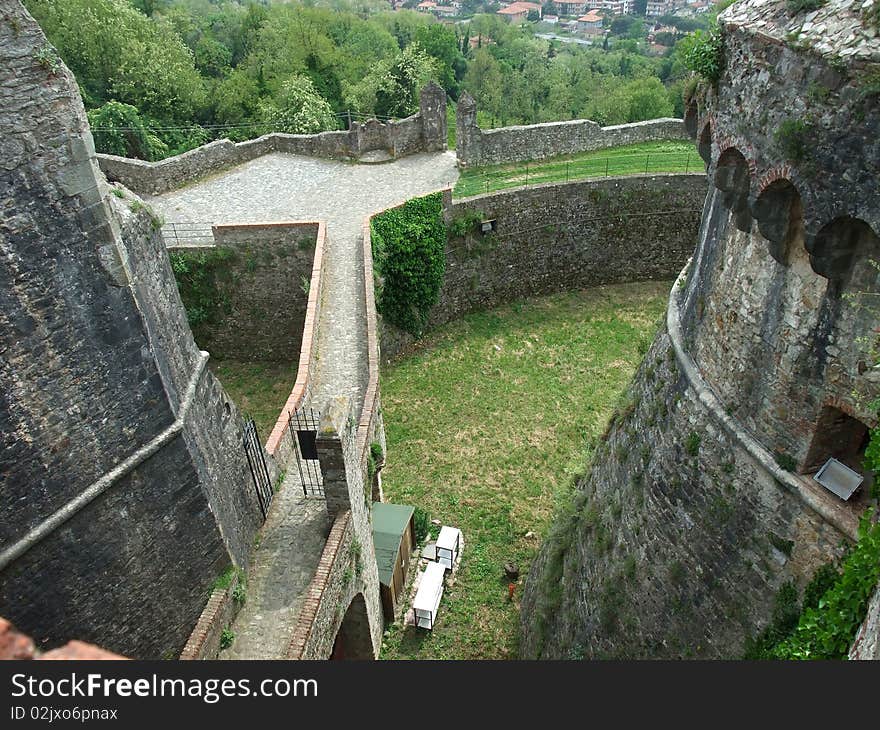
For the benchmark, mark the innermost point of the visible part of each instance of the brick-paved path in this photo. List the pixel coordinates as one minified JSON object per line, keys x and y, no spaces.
{"x":280,"y":187}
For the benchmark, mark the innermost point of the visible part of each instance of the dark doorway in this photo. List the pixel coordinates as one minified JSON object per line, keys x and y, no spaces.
{"x":840,"y":435}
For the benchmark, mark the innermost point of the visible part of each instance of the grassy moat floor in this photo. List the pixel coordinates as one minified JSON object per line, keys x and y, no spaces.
{"x":488,"y":421}
{"x":259,"y":389}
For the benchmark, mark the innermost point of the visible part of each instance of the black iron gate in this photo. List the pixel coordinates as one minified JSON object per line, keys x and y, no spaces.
{"x":257,"y":463}
{"x":303,"y":432}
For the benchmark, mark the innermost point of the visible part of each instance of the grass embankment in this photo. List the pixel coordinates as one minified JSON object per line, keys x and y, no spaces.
{"x":487,"y":425}
{"x":650,"y":157}
{"x":259,"y":389}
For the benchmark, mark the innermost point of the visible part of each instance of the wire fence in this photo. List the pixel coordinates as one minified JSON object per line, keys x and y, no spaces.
{"x":534,"y":173}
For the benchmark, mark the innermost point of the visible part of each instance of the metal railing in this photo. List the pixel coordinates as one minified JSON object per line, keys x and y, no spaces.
{"x":187,"y":234}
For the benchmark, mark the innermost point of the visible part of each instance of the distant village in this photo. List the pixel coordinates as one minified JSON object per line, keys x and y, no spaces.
{"x":570,"y":12}
{"x":588,"y":20}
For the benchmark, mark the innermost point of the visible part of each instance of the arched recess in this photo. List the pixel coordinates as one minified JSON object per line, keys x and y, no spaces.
{"x":845,"y":251}
{"x":354,"y":640}
{"x":691,"y":118}
{"x":780,"y":217}
{"x":733,"y":179}
{"x":704,"y":144}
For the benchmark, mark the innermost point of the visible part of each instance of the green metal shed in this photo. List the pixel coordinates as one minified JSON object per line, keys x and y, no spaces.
{"x":394,"y":540}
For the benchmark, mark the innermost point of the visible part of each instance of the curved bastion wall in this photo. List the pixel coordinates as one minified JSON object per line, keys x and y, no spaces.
{"x":700,"y":503}
{"x":561,"y":237}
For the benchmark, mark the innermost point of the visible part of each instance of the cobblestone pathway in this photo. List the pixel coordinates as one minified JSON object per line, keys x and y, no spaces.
{"x":280,"y":187}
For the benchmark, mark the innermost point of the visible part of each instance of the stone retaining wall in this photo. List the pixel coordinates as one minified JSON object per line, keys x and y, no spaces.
{"x":263,"y":285}
{"x":476,"y":147}
{"x":562,"y":237}
{"x":424,"y":131}
{"x":278,"y":444}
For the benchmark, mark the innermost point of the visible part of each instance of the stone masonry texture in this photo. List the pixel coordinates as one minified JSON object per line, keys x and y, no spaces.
{"x":478,"y":148}
{"x":679,"y":537}
{"x":425,"y":131}
{"x":98,"y":368}
{"x":262,"y":288}
{"x":563,"y":237}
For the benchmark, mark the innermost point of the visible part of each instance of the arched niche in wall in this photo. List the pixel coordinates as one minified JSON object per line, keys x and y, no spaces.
{"x":732,"y":178}
{"x":779,"y":215}
{"x":704,"y":144}
{"x":846,"y":251}
{"x":353,"y":640}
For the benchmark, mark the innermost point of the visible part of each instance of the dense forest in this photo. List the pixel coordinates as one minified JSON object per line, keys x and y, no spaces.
{"x":162,"y":76}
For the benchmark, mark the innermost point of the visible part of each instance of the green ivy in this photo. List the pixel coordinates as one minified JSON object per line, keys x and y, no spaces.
{"x":198,"y":276}
{"x":409,"y":253}
{"x":826,"y":631}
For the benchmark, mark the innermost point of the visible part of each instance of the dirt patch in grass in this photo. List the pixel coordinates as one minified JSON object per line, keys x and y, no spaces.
{"x":488,"y":422}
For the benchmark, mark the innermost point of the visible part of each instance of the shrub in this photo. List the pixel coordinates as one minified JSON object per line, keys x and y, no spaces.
{"x":827,"y":630}
{"x":227,"y":637}
{"x":703,"y":53}
{"x":793,"y":138}
{"x":197,"y":281}
{"x":409,"y":252}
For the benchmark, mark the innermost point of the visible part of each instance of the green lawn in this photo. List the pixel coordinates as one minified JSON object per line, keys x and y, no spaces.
{"x":259,"y":389}
{"x":487,"y":424}
{"x":672,"y":156}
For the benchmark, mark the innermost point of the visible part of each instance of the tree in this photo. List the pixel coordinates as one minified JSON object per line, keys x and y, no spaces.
{"x":484,"y":79}
{"x":397,"y":94}
{"x":440,"y":42}
{"x":298,"y":109}
{"x":117,"y":53}
{"x":118,"y":129}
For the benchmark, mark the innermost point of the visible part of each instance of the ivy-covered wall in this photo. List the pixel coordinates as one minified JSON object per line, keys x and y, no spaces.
{"x":246,"y":296}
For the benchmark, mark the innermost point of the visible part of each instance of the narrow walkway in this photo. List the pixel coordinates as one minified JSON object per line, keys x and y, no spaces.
{"x":285,"y":561}
{"x":281,"y":187}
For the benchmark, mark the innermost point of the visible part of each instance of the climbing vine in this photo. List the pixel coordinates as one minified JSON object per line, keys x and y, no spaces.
{"x":198,"y":276}
{"x":409,"y":253}
{"x":834,"y":606}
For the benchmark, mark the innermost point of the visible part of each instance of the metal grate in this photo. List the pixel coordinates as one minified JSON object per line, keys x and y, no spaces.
{"x":257,"y":464}
{"x":303,"y":434}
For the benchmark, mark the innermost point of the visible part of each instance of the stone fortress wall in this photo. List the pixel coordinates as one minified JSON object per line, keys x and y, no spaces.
{"x":425,"y":131}
{"x":562,"y":237}
{"x":699,"y":504}
{"x":126,"y":489}
{"x":262,"y":289}
{"x":476,"y":147}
